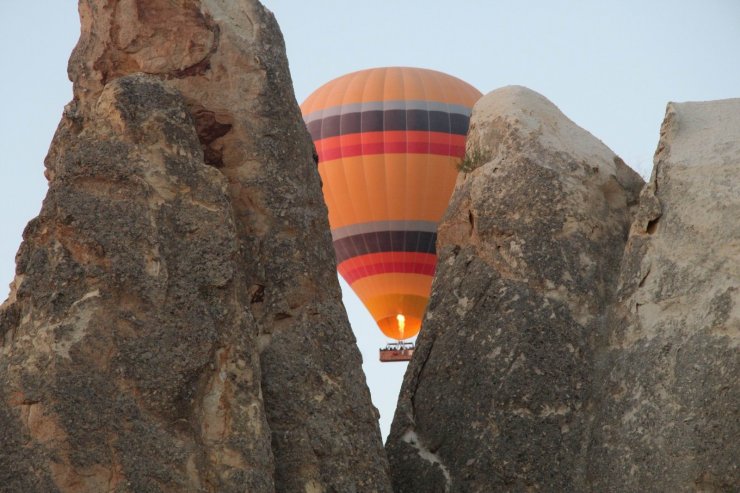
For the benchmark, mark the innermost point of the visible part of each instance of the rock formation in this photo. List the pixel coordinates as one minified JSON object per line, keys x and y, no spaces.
{"x":175,"y":323}
{"x":529,"y":251}
{"x":668,"y":413}
{"x":127,"y":357}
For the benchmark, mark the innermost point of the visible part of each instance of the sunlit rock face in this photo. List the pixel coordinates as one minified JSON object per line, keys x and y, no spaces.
{"x":175,"y":323}
{"x":667,"y":412}
{"x":496,"y":396}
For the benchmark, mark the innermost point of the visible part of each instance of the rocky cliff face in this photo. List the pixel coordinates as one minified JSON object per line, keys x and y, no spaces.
{"x":543,"y":364}
{"x":668,"y":417}
{"x":175,"y":323}
{"x":127,"y":358}
{"x":529,"y":251}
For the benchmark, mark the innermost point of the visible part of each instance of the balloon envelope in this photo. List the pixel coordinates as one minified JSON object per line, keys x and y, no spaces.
{"x":389,"y":141}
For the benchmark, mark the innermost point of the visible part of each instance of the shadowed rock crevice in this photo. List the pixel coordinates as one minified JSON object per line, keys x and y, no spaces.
{"x":209,"y":130}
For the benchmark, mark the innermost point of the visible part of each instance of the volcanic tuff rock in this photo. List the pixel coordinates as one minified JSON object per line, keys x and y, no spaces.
{"x":175,"y":322}
{"x":127,"y":358}
{"x":529,"y":251}
{"x":668,"y":415}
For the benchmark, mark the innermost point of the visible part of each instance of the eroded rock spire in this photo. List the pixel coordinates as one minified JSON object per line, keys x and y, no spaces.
{"x":669,"y":393}
{"x":175,"y":323}
{"x":529,"y":251}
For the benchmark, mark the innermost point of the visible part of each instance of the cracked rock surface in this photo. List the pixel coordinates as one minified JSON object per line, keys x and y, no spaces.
{"x":668,"y":407}
{"x":175,"y":323}
{"x":529,"y":251}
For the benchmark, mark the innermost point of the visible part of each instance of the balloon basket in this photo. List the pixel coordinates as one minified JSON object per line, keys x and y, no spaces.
{"x":397,"y":351}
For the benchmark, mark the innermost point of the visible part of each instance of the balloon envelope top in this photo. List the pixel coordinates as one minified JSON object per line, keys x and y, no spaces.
{"x":389,"y":141}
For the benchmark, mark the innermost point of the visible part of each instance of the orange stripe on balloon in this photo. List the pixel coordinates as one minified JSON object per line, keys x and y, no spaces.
{"x":390,"y":327}
{"x":398,"y":283}
{"x":392,"y":304}
{"x":370,"y":174}
{"x":429,"y":85}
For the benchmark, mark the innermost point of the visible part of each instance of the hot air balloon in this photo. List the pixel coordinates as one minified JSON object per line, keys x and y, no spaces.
{"x":389,"y":141}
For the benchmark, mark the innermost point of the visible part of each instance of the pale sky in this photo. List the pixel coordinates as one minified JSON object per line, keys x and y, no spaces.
{"x":611,"y":66}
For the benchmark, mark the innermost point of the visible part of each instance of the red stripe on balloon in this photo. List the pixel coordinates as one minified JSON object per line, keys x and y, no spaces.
{"x":367,"y":143}
{"x":387,"y":263}
{"x":397,"y":268}
{"x":381,"y":257}
{"x":390,"y":148}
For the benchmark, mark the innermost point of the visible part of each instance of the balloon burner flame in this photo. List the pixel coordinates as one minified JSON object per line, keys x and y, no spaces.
{"x":401,"y":324}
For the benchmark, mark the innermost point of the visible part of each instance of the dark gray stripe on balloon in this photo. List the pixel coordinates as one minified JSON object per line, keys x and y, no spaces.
{"x":373,"y":227}
{"x":385,"y":241}
{"x":379,"y":121}
{"x":386,"y":105}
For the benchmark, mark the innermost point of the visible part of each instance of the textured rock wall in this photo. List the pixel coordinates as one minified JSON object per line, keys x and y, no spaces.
{"x":529,"y":250}
{"x":668,"y":415}
{"x":175,"y":323}
{"x":128,"y":362}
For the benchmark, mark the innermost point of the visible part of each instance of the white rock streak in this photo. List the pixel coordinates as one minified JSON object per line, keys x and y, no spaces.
{"x":412,"y":439}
